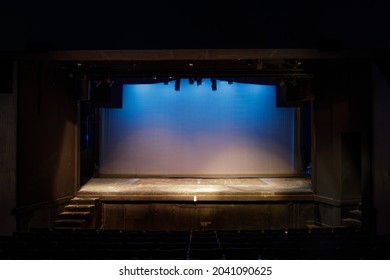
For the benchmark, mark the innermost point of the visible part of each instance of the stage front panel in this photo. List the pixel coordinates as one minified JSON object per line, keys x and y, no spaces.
{"x":236,"y":130}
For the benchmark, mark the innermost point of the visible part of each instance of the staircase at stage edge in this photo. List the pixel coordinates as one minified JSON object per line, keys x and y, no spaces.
{"x":353,"y":218}
{"x":80,"y":213}
{"x":350,"y":218}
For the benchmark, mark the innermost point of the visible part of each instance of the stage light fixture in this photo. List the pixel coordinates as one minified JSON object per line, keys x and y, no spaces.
{"x":166,"y":82}
{"x":109,"y":82}
{"x":230,"y":82}
{"x":177,"y":85}
{"x":282,"y":83}
{"x":199,"y":81}
{"x":191,"y":81}
{"x":293,"y":82}
{"x":213,"y":84}
{"x":97,"y":83}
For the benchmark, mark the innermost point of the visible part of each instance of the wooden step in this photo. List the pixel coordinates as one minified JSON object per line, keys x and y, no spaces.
{"x":355,"y":214}
{"x":349,"y":222}
{"x":83,"y":201}
{"x":80,"y":208}
{"x":78,"y":214}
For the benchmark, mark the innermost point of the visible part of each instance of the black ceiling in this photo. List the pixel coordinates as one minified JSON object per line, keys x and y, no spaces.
{"x":75,"y":25}
{"x":190,"y":68}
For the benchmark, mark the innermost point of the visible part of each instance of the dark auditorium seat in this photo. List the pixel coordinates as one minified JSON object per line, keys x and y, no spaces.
{"x":171,"y":245}
{"x":73,"y":245}
{"x":225,"y":245}
{"x":203,"y":233}
{"x":204,"y":245}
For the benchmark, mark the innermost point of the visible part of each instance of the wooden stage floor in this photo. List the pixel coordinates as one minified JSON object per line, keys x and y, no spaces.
{"x":198,"y":189}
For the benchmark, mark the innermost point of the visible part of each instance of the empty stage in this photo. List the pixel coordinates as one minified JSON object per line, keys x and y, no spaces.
{"x":202,"y":203}
{"x":185,"y":189}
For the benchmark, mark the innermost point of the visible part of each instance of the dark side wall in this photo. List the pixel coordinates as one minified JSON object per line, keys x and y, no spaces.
{"x":342,"y":128}
{"x":8,"y":117}
{"x":47,"y":157}
{"x":381,"y":150}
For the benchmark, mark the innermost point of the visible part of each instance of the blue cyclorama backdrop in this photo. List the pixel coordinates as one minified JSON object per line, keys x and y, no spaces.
{"x":236,"y":130}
